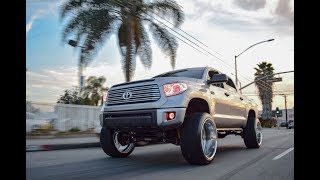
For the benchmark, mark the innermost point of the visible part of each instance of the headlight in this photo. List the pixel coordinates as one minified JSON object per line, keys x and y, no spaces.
{"x":174,"y":88}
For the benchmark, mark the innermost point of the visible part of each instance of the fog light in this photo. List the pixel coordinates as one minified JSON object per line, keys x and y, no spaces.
{"x":170,"y":115}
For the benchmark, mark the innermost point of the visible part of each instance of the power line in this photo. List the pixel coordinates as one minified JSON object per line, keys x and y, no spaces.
{"x":188,"y":34}
{"x":183,"y":36}
{"x":265,"y":87}
{"x":199,"y":46}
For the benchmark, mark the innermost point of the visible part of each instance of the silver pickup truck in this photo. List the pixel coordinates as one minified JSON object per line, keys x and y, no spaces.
{"x":190,"y":107}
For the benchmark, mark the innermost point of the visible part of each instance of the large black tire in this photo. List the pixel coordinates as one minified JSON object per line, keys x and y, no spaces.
{"x":108,"y":144}
{"x":193,"y":131}
{"x":252,"y":132}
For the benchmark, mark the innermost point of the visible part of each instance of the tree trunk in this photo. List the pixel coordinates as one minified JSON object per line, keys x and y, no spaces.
{"x":128,"y":59}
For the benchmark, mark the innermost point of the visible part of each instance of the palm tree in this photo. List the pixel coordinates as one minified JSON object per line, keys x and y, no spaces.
{"x":94,"y":89}
{"x":265,"y":88}
{"x":93,"y":21}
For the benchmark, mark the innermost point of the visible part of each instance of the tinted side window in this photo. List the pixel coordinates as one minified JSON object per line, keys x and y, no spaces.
{"x":210,"y":74}
{"x":230,"y":85}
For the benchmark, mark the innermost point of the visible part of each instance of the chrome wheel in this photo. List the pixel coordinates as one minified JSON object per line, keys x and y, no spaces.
{"x":123,"y":147}
{"x":259,"y":133}
{"x":209,"y":139}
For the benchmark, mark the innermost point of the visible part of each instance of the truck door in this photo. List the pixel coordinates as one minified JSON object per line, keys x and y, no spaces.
{"x":221,"y":105}
{"x":237,"y":114}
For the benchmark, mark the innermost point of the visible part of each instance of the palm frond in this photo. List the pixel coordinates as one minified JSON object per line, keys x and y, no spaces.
{"x":123,"y":37}
{"x":127,"y":47}
{"x":136,"y":30}
{"x":129,"y":62}
{"x":265,"y":88}
{"x":165,"y":41}
{"x":96,"y":31}
{"x":144,"y":46}
{"x":74,"y":6}
{"x":69,"y":6}
{"x":85,"y":21}
{"x":167,"y":8}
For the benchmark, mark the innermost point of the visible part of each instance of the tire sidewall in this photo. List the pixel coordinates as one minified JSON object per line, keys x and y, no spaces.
{"x":108,"y":145}
{"x":250,"y":133}
{"x":207,"y":117}
{"x":190,"y":142}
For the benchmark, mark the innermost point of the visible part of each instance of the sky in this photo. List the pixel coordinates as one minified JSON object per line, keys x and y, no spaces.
{"x":226,"y":27}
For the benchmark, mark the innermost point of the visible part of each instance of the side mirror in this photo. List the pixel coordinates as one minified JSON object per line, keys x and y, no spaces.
{"x":218,"y":78}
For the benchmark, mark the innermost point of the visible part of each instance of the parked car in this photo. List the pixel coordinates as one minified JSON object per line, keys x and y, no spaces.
{"x":291,"y":125}
{"x":190,"y":108}
{"x":283,"y":124}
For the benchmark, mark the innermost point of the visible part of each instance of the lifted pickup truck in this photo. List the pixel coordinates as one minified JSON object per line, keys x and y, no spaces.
{"x":189,"y":107}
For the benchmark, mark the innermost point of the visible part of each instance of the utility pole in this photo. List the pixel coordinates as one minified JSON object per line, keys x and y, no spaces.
{"x":285,"y":106}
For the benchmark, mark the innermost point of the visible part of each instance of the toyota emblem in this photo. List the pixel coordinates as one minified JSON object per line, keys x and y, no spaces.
{"x":126,"y":95}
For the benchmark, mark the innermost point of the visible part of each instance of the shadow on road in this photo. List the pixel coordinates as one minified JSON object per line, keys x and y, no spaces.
{"x":145,"y":160}
{"x":169,"y":157}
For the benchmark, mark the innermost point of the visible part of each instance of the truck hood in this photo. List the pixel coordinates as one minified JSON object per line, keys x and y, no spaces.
{"x":166,"y":80}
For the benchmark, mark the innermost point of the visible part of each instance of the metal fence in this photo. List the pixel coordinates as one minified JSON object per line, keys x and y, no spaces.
{"x":63,"y":116}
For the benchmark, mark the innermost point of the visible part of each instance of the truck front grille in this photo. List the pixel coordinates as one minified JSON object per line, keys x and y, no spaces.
{"x":135,"y":94}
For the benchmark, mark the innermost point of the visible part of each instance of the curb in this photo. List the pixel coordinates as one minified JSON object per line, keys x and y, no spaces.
{"x":33,"y":148}
{"x":60,"y":136}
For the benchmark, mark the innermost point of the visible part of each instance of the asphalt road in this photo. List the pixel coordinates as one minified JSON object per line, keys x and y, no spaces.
{"x":273,"y":160}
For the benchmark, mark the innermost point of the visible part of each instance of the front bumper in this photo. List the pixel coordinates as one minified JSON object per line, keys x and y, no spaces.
{"x":146,"y":118}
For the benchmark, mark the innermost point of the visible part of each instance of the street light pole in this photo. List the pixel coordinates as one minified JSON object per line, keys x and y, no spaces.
{"x":80,"y":66}
{"x":236,"y":71}
{"x":235,"y":57}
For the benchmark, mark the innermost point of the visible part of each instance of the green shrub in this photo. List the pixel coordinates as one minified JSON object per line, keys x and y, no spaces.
{"x":269,"y":123}
{"x":74,"y":129}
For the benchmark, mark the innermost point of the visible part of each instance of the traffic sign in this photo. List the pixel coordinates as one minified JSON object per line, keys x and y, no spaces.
{"x":274,"y":79}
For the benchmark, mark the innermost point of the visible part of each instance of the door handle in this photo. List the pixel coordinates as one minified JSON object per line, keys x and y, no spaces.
{"x":241,"y":98}
{"x":227,"y":94}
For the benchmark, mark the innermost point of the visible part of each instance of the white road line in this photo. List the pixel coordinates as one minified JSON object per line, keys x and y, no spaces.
{"x":282,"y":154}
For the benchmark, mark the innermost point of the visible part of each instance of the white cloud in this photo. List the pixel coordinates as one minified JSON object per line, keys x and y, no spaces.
{"x":220,"y":24}
{"x":49,"y":84}
{"x":250,"y":4}
{"x":251,"y":16}
{"x":50,"y":9}
{"x":38,"y":14}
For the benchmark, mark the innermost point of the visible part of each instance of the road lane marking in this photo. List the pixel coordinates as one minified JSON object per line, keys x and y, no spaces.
{"x":282,"y":154}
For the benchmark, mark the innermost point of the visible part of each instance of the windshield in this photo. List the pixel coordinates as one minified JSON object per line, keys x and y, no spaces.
{"x":189,"y":73}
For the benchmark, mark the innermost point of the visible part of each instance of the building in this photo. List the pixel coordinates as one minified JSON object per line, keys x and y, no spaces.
{"x":282,"y":118}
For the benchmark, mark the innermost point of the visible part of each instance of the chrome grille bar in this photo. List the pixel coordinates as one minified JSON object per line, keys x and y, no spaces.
{"x":139,"y":94}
